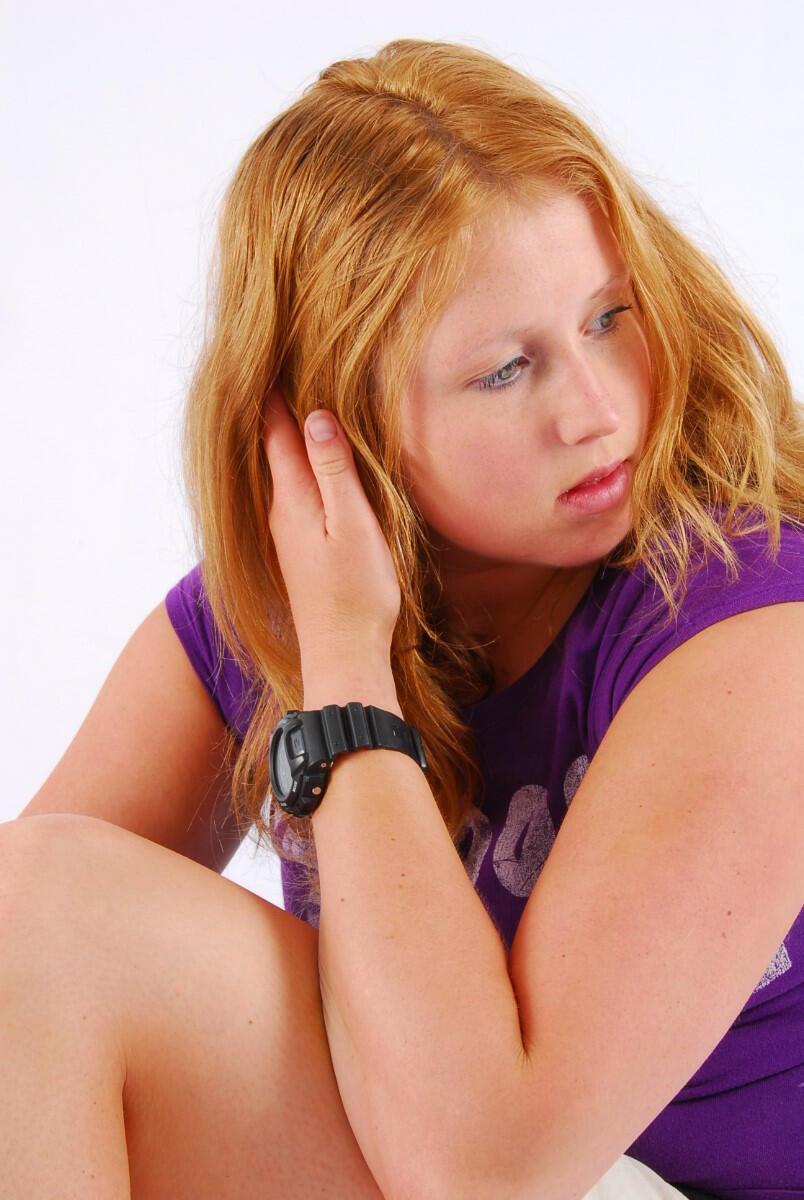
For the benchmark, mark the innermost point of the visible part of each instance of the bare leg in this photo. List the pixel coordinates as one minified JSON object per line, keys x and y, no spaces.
{"x":158,"y":1022}
{"x":62,"y":1131}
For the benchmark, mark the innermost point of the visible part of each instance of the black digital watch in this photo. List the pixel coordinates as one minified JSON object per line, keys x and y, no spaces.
{"x":305,"y":744}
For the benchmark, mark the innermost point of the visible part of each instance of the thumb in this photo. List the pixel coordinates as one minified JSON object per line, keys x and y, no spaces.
{"x":329,"y":451}
{"x":321,"y":428}
{"x":331,"y":458}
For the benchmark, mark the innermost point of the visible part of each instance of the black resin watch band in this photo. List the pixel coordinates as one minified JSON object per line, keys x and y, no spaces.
{"x":355,"y":726}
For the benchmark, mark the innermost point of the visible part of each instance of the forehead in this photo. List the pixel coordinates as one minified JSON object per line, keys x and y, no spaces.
{"x":527,"y":260}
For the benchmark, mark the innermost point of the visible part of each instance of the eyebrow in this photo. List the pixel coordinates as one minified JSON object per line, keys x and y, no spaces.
{"x":506,"y":334}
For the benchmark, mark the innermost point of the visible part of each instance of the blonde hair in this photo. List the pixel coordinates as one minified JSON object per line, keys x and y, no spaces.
{"x":342,"y":236}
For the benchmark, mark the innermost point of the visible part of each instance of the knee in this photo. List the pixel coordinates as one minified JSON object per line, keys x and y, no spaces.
{"x":41,"y":830}
{"x":51,"y":979}
{"x":49,"y":866}
{"x":36,"y":849}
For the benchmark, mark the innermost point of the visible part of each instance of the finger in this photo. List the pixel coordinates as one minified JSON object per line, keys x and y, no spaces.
{"x":345,"y":503}
{"x":294,"y":482}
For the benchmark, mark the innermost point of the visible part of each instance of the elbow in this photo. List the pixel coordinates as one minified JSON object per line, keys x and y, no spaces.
{"x":476,"y":1169}
{"x":478,"y":1141}
{"x":420,"y":1179}
{"x":496,"y":1156}
{"x":492,"y":1181}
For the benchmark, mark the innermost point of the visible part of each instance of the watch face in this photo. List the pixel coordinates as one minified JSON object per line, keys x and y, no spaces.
{"x":284,"y":779}
{"x":286,"y":735}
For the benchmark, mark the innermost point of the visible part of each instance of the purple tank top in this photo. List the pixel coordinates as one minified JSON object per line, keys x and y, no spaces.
{"x":737,"y":1127}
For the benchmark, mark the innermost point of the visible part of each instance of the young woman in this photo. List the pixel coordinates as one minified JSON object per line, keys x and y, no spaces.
{"x":472,"y":992}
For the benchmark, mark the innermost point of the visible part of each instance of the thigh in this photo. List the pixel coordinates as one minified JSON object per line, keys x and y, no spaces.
{"x":229,"y":1090}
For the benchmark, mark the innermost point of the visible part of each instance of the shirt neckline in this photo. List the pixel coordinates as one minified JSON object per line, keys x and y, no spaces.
{"x":490,"y":705}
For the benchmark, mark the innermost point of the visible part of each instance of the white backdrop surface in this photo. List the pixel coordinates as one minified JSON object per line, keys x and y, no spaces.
{"x":121,"y":126}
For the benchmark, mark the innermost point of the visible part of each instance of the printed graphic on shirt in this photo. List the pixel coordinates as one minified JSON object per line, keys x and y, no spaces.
{"x":526,"y":838}
{"x":524,"y":843}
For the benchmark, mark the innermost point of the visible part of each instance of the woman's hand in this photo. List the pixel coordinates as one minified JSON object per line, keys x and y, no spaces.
{"x":340,"y":578}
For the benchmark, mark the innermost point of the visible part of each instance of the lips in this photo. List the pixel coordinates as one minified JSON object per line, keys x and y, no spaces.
{"x":594,"y":476}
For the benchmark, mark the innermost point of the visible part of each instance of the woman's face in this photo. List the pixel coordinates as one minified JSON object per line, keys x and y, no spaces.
{"x":487,"y":462}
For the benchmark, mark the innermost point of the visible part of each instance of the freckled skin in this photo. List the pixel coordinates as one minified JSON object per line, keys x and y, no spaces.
{"x":487,"y":465}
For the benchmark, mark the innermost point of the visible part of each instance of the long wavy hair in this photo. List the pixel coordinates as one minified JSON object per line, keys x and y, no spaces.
{"x":342,"y":235}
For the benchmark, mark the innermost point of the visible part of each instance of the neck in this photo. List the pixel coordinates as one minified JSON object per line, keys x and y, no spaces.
{"x":504,"y":605}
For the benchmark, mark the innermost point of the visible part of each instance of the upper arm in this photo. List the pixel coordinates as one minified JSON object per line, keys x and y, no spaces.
{"x":149,"y":755}
{"x":643,"y":938}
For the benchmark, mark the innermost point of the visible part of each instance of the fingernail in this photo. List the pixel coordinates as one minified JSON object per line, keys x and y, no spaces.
{"x":321,"y":427}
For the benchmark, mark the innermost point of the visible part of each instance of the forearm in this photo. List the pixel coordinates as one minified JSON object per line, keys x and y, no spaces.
{"x":419,"y":1008}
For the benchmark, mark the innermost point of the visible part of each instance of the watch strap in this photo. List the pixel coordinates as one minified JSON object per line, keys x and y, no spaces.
{"x":355,"y":726}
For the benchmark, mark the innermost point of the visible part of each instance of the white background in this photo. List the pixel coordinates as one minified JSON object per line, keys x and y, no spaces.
{"x":121,"y":126}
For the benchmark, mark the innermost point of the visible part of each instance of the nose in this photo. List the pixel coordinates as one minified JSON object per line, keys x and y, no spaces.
{"x":583,"y":405}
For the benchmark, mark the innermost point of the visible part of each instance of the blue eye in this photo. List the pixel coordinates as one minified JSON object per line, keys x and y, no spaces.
{"x":488,"y":382}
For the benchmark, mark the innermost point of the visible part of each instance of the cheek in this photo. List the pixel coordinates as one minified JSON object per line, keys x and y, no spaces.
{"x":470,"y":488}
